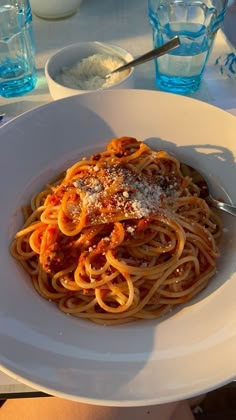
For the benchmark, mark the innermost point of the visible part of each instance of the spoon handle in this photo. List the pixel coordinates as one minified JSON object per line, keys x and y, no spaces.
{"x":223,"y":206}
{"x":157,"y":52}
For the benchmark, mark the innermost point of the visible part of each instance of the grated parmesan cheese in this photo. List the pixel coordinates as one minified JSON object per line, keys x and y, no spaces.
{"x":90,"y":72}
{"x":135,"y":195}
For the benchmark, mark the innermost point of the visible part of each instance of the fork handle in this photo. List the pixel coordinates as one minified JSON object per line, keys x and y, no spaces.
{"x":228,"y":208}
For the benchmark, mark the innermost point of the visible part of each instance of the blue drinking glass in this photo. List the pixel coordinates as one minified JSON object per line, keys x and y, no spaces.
{"x":196,"y":22}
{"x":17,"y":48}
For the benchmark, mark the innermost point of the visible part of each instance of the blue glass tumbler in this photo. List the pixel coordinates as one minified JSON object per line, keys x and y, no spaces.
{"x":17,"y":48}
{"x":196,"y":22}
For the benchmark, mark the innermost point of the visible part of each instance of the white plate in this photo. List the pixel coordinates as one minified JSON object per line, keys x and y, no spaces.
{"x":191,"y":351}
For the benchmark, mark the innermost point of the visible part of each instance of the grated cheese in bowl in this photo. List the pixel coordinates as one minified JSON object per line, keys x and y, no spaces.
{"x":89,"y":73}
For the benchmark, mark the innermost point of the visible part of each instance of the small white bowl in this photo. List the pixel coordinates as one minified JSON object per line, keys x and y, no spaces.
{"x":72,"y":54}
{"x":54,"y":9}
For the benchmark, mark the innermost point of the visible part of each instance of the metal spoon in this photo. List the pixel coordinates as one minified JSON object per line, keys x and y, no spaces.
{"x":204,"y":189}
{"x":157,"y":52}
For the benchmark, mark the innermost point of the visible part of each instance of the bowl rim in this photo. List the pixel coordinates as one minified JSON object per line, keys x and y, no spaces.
{"x":114,"y":47}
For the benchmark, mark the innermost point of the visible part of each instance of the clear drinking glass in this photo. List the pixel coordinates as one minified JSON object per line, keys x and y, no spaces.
{"x":17,"y":50}
{"x":196,"y":23}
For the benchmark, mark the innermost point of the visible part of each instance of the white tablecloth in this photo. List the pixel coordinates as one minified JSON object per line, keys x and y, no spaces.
{"x":124,"y":23}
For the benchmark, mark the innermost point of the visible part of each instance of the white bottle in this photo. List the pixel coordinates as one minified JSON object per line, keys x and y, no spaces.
{"x":54,"y":9}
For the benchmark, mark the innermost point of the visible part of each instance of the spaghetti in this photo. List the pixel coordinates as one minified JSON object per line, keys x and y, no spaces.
{"x":119,"y":237}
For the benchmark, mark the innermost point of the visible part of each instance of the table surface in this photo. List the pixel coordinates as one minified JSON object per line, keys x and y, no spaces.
{"x":124,"y":23}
